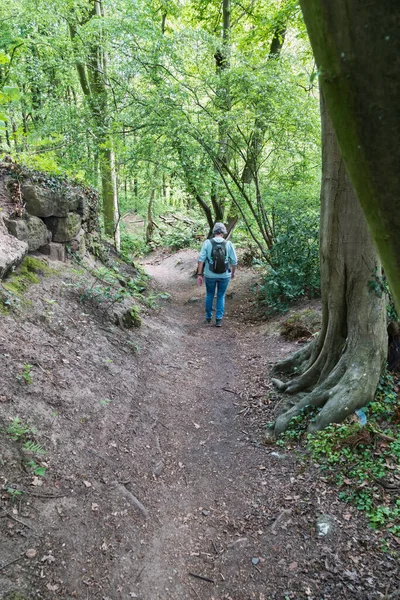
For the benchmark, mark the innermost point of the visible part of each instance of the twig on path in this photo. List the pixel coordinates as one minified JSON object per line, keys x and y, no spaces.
{"x":228,"y":390}
{"x":159,"y":446}
{"x":286,"y":511}
{"x":202,"y":577}
{"x":45,"y":372}
{"x":133,"y":500}
{"x":157,"y":422}
{"x":46,"y":496}
{"x":11,"y":562}
{"x":38,"y":494}
{"x":215,"y":547}
{"x":5,"y":513}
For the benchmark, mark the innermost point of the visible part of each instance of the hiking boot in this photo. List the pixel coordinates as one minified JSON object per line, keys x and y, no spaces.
{"x":208,"y":321}
{"x":218,"y":323}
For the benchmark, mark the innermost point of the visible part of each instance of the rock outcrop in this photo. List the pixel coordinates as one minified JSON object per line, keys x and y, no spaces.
{"x":12,"y":251}
{"x":42,"y":212}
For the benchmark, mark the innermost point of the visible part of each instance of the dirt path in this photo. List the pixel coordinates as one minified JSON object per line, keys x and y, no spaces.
{"x":159,"y":485}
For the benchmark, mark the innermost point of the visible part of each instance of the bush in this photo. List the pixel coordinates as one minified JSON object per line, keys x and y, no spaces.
{"x":294,"y":262}
{"x":182,"y":234}
{"x":132,"y":245}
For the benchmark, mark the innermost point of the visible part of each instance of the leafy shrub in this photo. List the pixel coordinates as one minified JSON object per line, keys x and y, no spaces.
{"x":294,"y":262}
{"x":181,"y":234}
{"x":132,"y":245}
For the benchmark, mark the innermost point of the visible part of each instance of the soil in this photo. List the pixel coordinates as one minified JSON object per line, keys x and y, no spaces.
{"x":158,"y":484}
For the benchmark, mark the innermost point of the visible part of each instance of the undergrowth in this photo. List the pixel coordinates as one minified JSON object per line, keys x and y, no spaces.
{"x":293,"y":271}
{"x":25,"y":436}
{"x":361,"y":456}
{"x":110,"y":286}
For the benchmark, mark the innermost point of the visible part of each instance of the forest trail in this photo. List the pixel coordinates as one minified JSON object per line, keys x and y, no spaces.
{"x":159,"y":486}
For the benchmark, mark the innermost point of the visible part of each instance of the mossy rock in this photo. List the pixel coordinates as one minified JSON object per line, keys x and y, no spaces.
{"x":300,"y":325}
{"x":18,"y":282}
{"x":129,"y":318}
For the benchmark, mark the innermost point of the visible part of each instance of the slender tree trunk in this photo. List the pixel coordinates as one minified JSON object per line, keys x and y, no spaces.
{"x":340,"y":370}
{"x":116,"y":214}
{"x":357,"y":48}
{"x":150,"y":222}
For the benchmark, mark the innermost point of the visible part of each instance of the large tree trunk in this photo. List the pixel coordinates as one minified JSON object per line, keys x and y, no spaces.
{"x":340,"y":370}
{"x":357,"y":49}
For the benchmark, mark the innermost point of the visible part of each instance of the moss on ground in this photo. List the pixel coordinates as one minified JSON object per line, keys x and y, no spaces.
{"x":12,"y":290}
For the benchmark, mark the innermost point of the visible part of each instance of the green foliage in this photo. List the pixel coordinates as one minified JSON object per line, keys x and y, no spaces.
{"x":9,"y":301}
{"x":362,"y":461}
{"x":14,"y":493}
{"x":182,"y":236}
{"x":163,"y":107}
{"x":380,"y":286}
{"x":14,"y":287}
{"x":293,"y":272}
{"x":298,"y":425}
{"x":132,"y":246}
{"x":18,"y":429}
{"x":33,"y":447}
{"x":25,"y":376}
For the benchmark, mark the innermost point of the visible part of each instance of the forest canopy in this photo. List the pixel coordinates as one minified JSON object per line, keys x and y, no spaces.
{"x":205,"y":107}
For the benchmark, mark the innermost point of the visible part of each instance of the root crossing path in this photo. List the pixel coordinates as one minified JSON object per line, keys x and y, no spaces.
{"x":159,"y":485}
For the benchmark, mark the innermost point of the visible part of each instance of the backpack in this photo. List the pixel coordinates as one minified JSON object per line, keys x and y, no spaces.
{"x":218,"y":262}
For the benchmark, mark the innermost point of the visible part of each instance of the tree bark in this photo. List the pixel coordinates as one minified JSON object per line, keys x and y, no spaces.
{"x":340,"y":370}
{"x":357,"y":49}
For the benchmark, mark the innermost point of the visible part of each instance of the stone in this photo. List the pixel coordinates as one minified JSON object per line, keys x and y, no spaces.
{"x":64,"y":229}
{"x":29,"y":229}
{"x":42,"y":202}
{"x":193,"y":300}
{"x":54,"y":251}
{"x":325,"y":525}
{"x":78,"y":244}
{"x":279,"y":455}
{"x":12,"y":251}
{"x":127,"y":318}
{"x":38,"y":235}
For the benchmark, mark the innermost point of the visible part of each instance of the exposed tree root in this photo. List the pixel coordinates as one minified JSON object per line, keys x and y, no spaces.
{"x":349,"y":387}
{"x":339,"y":371}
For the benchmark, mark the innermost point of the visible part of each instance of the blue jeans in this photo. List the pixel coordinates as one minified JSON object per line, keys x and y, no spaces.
{"x":221,"y":284}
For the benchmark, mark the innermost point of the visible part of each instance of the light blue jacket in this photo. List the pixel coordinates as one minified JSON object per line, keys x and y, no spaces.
{"x":205,"y":257}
